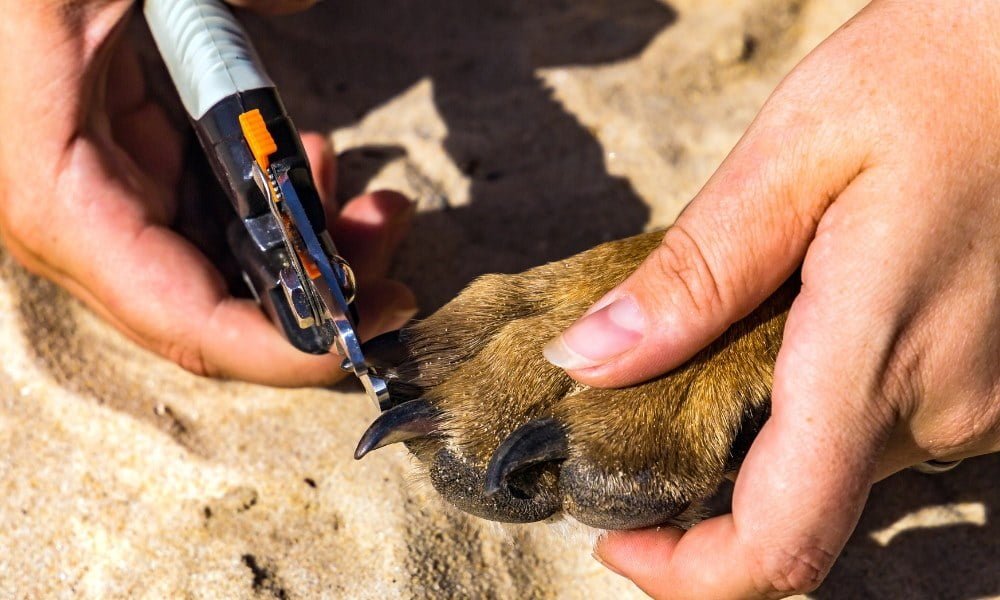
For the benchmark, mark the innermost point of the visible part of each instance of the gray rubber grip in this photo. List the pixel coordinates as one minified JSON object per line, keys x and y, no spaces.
{"x":206,"y":51}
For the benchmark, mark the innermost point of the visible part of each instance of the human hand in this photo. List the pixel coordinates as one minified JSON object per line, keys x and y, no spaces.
{"x":875,"y":166}
{"x":89,"y":173}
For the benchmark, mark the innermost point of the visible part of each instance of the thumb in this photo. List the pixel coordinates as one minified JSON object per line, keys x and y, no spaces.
{"x":792,"y":514}
{"x":742,"y":236}
{"x":800,"y":491}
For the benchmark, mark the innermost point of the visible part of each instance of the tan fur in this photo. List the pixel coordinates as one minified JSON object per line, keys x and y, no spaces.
{"x":635,"y":453}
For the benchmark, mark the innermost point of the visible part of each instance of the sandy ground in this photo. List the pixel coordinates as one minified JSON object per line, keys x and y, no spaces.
{"x":526,"y":130}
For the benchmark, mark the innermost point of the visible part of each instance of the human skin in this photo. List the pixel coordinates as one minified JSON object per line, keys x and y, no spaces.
{"x":875,"y":166}
{"x":89,"y":173}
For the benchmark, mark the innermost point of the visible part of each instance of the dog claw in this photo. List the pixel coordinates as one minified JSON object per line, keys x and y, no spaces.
{"x":407,"y":421}
{"x":385,"y":351}
{"x":538,"y":441}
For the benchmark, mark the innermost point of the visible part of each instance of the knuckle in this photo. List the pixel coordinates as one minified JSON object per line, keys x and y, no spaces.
{"x":681,"y":266}
{"x":799,"y":571}
{"x":971,"y":426}
{"x":963,"y":432}
{"x":900,"y":380}
{"x":189,"y":357}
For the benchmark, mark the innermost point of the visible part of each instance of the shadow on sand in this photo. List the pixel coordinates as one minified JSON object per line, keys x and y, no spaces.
{"x":958,"y":561}
{"x":539,"y":188}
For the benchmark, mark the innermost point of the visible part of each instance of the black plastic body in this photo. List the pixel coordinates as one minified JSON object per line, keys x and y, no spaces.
{"x":229,"y":155}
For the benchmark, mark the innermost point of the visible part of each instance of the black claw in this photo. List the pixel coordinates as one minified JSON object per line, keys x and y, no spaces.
{"x":534,"y":442}
{"x":409,"y":420}
{"x":382,"y":352}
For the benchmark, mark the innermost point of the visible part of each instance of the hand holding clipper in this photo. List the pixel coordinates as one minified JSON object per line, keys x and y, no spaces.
{"x":279,"y":236}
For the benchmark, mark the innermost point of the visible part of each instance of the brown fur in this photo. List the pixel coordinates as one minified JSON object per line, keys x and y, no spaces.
{"x":638,"y":456}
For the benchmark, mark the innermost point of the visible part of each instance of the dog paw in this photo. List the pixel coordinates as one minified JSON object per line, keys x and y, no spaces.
{"x":507,"y":436}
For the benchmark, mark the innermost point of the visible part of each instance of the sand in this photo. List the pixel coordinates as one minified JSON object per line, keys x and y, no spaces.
{"x":526,"y":131}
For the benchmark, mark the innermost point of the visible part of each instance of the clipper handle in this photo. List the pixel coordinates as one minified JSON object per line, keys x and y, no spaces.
{"x":219,"y":77}
{"x":206,"y":50}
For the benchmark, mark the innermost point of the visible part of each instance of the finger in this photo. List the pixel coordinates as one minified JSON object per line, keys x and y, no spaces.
{"x":162,"y":292}
{"x":178,"y":307}
{"x":158,"y":288}
{"x":804,"y":482}
{"x":793,"y":511}
{"x":273,"y":7}
{"x":796,"y":501}
{"x":384,"y":305}
{"x":147,"y":142}
{"x":241,"y":343}
{"x":140,"y":127}
{"x":368,"y":234}
{"x":744,"y":234}
{"x":126,"y":83}
{"x":238,"y":342}
{"x":369,"y":229}
{"x":323,"y":161}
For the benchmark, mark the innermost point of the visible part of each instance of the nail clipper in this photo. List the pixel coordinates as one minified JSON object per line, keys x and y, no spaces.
{"x":279,"y":237}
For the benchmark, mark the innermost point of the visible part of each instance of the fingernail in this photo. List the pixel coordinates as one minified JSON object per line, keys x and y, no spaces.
{"x":598,"y":558}
{"x":598,"y":337}
{"x":601,"y":560}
